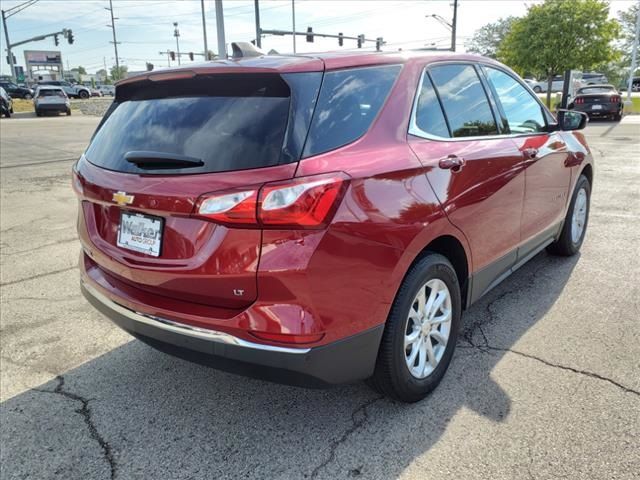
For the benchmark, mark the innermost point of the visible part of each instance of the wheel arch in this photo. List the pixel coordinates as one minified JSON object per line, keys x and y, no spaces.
{"x":587,"y":171}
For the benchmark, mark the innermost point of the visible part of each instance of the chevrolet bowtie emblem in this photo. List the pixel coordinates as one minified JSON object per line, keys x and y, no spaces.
{"x":121,"y":198}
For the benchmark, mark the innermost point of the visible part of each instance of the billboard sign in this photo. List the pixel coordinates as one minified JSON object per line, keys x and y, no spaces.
{"x":41,"y":57}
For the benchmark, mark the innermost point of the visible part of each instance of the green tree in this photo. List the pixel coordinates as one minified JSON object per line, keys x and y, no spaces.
{"x":558,"y":35}
{"x":487,"y":39}
{"x":118,"y":73}
{"x":81,"y":70}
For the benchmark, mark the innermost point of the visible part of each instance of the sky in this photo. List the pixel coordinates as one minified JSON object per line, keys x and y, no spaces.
{"x":145,"y":27}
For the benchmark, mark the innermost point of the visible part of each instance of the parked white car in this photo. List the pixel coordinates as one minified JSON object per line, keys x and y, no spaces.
{"x":556,"y":85}
{"x":73,"y":91}
{"x":51,"y":99}
{"x":107,"y":90}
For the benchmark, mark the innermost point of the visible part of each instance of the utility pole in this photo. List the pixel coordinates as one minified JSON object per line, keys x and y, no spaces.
{"x":115,"y":42}
{"x":293,"y":14}
{"x":256,"y":7}
{"x":12,"y":72}
{"x":634,"y":59}
{"x":176,"y":33}
{"x":222,"y":46}
{"x":204,"y":32}
{"x":453,"y":25}
{"x":6,"y":14}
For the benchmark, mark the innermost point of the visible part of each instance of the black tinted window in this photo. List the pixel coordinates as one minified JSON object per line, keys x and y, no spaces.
{"x":523,"y":112}
{"x":229,"y":123}
{"x":429,"y":117}
{"x":464,"y":100}
{"x":349,"y":101}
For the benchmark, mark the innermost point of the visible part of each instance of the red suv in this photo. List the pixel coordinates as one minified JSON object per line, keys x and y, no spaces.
{"x":323,"y":219}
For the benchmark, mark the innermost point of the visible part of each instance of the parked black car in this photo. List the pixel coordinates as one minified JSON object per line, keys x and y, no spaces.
{"x":6,"y":104}
{"x":15,"y":91}
{"x":598,"y":101}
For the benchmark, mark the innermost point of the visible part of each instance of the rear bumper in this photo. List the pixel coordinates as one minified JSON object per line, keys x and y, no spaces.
{"x":52,"y":108}
{"x":343,"y":361}
{"x":607,"y":109}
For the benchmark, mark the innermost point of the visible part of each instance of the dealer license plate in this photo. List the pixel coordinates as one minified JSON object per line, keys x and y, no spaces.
{"x":140,"y":233}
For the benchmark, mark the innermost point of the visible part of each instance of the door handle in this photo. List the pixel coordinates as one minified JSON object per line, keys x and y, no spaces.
{"x":530,"y":153}
{"x":452,"y":162}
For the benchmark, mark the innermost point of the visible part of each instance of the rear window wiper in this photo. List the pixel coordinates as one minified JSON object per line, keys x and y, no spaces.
{"x":158,"y":160}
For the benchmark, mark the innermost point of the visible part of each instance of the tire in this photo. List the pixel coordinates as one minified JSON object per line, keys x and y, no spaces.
{"x":617,"y":117}
{"x":569,"y":242}
{"x":83,"y":94}
{"x":392,"y":375}
{"x":38,"y":113}
{"x":537,"y":89}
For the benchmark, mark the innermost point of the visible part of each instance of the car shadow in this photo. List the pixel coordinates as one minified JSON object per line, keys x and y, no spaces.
{"x":135,"y":412}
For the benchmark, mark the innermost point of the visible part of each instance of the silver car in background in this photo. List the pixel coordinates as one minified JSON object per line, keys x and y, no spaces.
{"x":51,"y":99}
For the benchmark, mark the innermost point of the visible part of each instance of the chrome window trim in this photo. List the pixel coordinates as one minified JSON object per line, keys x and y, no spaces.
{"x":418,"y":132}
{"x":187,"y":330}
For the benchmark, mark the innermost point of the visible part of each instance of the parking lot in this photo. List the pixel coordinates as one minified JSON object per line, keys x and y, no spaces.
{"x":545,"y":382}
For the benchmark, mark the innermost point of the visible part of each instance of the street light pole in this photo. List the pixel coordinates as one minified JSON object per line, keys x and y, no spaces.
{"x":293,"y":14}
{"x":256,"y":7}
{"x":222,"y":45}
{"x":204,"y":32}
{"x":176,"y":33}
{"x":9,"y":54}
{"x":634,"y":58}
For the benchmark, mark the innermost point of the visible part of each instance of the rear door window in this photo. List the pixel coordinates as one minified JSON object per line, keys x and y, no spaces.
{"x":464,"y":100}
{"x":429,"y":117}
{"x":349,"y":101}
{"x":523,"y":112}
{"x":228,"y":122}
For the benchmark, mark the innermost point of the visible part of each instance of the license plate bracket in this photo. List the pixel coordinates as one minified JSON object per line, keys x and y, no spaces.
{"x":140,"y":233}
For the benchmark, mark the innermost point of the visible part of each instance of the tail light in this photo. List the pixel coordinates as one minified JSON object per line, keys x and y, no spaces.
{"x":615,"y":99}
{"x":306,"y":202}
{"x":579,"y":101}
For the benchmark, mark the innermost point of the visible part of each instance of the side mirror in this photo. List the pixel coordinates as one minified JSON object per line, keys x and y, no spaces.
{"x":571,"y":120}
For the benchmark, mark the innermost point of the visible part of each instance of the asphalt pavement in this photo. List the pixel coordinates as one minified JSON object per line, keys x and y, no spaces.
{"x":545,"y":382}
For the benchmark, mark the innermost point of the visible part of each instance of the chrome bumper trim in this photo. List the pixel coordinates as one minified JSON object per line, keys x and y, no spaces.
{"x":183,"y":329}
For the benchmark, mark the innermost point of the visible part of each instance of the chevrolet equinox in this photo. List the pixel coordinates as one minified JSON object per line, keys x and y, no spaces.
{"x":317,"y":220}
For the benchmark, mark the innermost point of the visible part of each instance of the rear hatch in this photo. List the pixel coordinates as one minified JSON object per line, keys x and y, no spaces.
{"x":164,"y":144}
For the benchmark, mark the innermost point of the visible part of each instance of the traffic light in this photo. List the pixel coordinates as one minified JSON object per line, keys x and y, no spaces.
{"x":360,"y":40}
{"x":55,"y":40}
{"x":309,"y":35}
{"x":70,"y":37}
{"x":191,"y":56}
{"x":14,"y":60}
{"x":340,"y":39}
{"x":379,"y":43}
{"x":172,"y":55}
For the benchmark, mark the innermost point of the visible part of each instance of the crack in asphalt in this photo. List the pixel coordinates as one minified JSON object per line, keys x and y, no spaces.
{"x":486,"y":347}
{"x":40,"y":247}
{"x":357,"y":423}
{"x":87,"y":416}
{"x":39,"y":275}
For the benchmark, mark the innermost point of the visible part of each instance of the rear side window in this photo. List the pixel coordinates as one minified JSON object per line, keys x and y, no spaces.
{"x":464,"y":100}
{"x":428,"y":116}
{"x":523,"y":112}
{"x":227,"y":122}
{"x":51,"y":93}
{"x":349,"y":101}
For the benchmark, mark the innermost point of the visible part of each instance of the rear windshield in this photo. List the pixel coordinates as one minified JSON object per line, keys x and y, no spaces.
{"x":227,"y":122}
{"x":588,"y":90}
{"x":51,"y":93}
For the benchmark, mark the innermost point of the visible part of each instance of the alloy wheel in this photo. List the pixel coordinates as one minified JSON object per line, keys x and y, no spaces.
{"x":579,"y":217}
{"x":427,"y":328}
